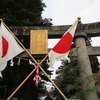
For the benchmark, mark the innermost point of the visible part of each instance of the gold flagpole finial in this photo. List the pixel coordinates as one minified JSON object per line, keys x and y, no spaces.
{"x":79,"y":18}
{"x":1,"y":19}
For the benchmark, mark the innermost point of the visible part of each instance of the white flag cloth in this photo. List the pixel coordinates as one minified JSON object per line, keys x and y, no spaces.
{"x":9,"y":48}
{"x":61,"y":50}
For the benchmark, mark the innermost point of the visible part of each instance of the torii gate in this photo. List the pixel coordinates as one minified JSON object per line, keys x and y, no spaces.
{"x":83,"y":32}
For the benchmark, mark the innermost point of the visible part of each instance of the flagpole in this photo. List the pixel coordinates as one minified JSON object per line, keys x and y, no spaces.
{"x":53,"y":83}
{"x":43,"y":59}
{"x":20,"y":43}
{"x":51,"y":79}
{"x":29,"y":55}
{"x":33,"y":69}
{"x":21,"y":84}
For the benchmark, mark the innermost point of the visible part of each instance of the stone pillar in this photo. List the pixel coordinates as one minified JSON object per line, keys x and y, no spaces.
{"x":85,"y":68}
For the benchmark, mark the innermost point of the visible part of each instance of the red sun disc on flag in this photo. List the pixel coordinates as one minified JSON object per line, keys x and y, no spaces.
{"x":4,"y":47}
{"x":64,"y":45}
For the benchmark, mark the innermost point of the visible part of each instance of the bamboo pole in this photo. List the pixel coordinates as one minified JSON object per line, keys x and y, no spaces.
{"x":33,"y":70}
{"x":53,"y":83}
{"x":21,"y":84}
{"x":51,"y":79}
{"x":20,"y":43}
{"x":29,"y":55}
{"x":43,"y":59}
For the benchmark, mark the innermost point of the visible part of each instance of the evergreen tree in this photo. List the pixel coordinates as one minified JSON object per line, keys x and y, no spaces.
{"x":23,"y":12}
{"x":69,"y":80}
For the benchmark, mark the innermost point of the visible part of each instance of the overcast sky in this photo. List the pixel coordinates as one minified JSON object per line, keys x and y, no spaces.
{"x":65,"y":12}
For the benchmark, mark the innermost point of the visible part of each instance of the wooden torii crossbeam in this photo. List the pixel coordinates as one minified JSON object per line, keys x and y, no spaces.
{"x":38,"y":64}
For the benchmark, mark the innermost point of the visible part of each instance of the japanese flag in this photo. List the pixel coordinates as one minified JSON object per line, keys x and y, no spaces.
{"x":61,"y":50}
{"x":9,"y":48}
